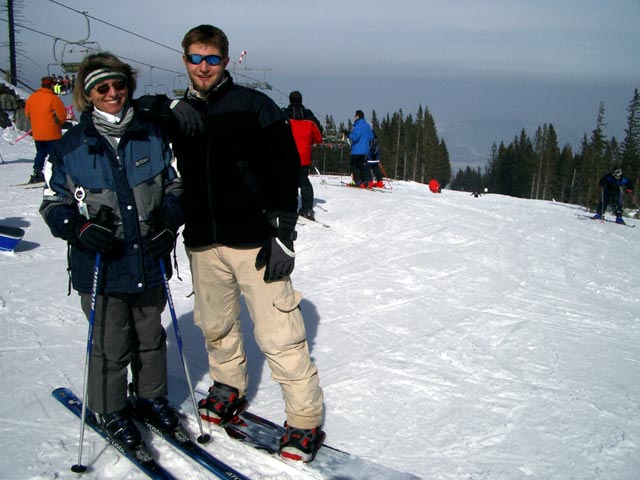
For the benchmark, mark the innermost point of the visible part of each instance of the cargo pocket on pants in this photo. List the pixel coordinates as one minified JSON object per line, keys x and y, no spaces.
{"x":292,"y":331}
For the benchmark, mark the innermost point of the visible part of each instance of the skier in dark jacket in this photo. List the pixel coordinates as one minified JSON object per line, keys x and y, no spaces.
{"x":612,"y":186}
{"x":112,"y":190}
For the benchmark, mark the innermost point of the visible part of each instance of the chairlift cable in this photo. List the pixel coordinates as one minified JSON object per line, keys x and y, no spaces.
{"x":115,"y":26}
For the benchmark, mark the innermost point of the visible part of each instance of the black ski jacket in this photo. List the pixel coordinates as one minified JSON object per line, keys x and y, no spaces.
{"x":242,"y":168}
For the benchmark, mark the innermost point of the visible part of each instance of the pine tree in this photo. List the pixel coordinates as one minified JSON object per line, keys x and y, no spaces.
{"x":631,"y":143}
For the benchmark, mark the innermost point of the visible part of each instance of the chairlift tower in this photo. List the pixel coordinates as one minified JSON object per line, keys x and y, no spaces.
{"x":239,"y":69}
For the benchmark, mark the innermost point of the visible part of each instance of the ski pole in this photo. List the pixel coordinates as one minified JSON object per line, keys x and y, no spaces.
{"x":203,"y":438}
{"x":20,"y":138}
{"x":322,"y":180}
{"x":79,"y":468}
{"x":386,"y":176}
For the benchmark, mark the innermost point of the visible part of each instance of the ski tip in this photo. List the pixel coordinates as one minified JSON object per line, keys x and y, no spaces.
{"x":59,"y":392}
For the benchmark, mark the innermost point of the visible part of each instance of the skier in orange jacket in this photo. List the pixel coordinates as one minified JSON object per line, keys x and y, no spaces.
{"x":47,"y":113}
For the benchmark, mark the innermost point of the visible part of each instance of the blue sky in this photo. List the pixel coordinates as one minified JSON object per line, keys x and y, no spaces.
{"x":527,"y":62}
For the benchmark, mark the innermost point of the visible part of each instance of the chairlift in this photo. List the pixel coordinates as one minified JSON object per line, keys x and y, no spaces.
{"x":178,"y":89}
{"x":152,"y":88}
{"x":82,"y":46}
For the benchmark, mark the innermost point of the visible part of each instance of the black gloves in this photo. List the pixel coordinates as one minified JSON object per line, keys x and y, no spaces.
{"x":160,"y":240}
{"x":162,"y":108}
{"x":93,"y":235}
{"x":187,"y":117}
{"x":277,"y":254}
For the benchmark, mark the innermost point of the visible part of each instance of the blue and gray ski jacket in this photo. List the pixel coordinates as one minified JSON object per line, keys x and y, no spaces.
{"x":137,"y":182}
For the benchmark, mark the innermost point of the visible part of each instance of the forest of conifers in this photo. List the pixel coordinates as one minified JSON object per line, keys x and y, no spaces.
{"x":535,"y":168}
{"x":412,"y":149}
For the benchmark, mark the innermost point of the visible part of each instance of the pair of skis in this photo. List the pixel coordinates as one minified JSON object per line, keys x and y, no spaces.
{"x":590,"y":217}
{"x":138,"y":457}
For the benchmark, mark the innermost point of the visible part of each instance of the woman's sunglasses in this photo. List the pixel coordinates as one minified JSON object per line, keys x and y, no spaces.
{"x":117,"y":85}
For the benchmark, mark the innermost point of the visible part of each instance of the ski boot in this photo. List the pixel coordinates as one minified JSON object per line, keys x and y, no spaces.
{"x":121,"y":429}
{"x":159,"y":413}
{"x":222,"y":404}
{"x":300,"y":444}
{"x":308,"y":214}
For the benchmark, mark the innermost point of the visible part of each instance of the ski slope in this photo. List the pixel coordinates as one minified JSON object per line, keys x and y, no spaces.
{"x":456,"y":338}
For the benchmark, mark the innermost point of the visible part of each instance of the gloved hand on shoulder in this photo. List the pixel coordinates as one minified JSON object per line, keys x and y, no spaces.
{"x":161,"y":107}
{"x":277,"y":254}
{"x":93,"y":235}
{"x":187,"y":117}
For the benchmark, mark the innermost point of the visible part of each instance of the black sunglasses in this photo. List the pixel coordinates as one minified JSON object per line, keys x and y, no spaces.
{"x":197,"y":59}
{"x":118,"y":85}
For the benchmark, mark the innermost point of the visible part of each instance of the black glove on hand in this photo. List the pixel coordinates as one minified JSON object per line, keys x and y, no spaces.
{"x":277,"y":253}
{"x":187,"y":117}
{"x":92,"y":235}
{"x":160,"y":240}
{"x":162,"y":108}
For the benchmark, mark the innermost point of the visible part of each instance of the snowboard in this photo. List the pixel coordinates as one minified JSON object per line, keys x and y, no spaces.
{"x":330,"y":463}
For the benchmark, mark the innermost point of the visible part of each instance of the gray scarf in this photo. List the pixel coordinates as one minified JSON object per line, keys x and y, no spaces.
{"x":107,"y":128}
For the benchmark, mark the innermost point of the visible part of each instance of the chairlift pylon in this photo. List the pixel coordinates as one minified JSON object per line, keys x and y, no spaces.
{"x":250,"y":81}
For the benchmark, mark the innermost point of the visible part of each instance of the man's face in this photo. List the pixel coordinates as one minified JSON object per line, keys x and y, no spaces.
{"x":204,"y":76}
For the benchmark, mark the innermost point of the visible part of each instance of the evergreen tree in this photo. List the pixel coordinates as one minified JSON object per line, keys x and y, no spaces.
{"x":566,"y":174}
{"x":631,"y":143}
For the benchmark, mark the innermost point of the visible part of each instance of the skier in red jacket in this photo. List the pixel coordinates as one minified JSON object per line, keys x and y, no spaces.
{"x":434,"y":185}
{"x":307,"y":131}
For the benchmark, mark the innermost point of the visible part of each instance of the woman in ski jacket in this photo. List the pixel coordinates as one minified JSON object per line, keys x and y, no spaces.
{"x":112,"y":190}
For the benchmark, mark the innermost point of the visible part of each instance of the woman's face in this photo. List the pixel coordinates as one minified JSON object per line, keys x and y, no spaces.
{"x":109,"y":96}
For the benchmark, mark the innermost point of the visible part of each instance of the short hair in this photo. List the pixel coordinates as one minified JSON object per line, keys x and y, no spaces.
{"x":94,"y":62}
{"x":208,"y":35}
{"x":359,"y":114}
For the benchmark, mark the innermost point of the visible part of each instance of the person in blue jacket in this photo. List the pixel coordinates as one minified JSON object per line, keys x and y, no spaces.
{"x":112,"y":189}
{"x":612,"y":185}
{"x":361,"y":136}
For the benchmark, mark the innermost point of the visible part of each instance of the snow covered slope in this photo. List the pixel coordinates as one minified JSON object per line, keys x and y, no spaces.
{"x":456,"y":337}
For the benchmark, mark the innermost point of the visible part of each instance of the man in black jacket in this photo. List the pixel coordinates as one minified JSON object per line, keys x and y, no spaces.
{"x":240,"y":177}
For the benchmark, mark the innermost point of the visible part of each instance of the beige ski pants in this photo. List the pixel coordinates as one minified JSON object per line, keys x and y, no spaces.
{"x":220,"y":275}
